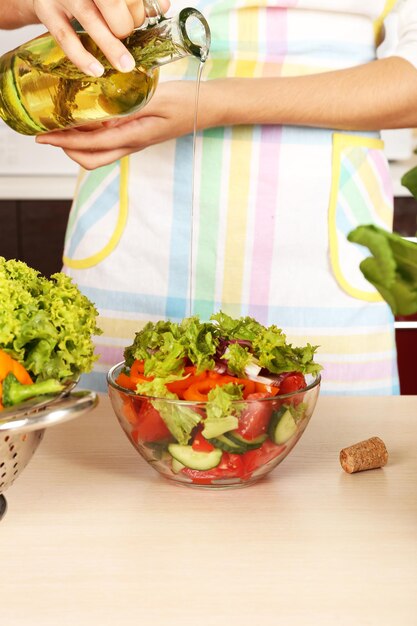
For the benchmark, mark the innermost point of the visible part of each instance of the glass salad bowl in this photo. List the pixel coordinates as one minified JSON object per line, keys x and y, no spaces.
{"x":221,"y":451}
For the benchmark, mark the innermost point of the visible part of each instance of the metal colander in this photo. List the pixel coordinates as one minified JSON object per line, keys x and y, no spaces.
{"x":22,"y":429}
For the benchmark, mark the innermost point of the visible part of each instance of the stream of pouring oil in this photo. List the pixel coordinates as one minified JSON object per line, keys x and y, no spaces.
{"x":203,"y":58}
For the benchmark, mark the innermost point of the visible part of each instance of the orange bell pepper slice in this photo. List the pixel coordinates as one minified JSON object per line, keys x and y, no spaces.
{"x":8,"y":364}
{"x":126,"y":382}
{"x":269,"y":389}
{"x":179,"y":386}
{"x":198,"y":391}
{"x":138,"y":368}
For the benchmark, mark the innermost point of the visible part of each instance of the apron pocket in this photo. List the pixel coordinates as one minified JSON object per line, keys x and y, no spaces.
{"x":98,"y":216}
{"x":361,"y":193}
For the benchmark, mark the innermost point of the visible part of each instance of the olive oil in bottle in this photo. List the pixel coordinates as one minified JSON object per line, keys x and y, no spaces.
{"x":41,"y":90}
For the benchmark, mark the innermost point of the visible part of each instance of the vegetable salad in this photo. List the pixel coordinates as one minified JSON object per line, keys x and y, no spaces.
{"x":214,"y":401}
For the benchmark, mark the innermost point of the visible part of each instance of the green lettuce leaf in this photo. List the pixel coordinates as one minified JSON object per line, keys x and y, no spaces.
{"x":278,"y":356}
{"x":392,"y":268}
{"x":201,"y":339}
{"x":164,"y":345}
{"x":46,"y":324}
{"x":409,"y":180}
{"x":222,"y":410}
{"x":245,"y":328}
{"x":238,"y":358}
{"x":179,"y":418}
{"x":154,"y":337}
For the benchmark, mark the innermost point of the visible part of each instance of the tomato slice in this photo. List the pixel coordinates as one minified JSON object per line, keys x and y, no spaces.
{"x":149,"y":426}
{"x":254,"y":419}
{"x":199,"y":477}
{"x":253,"y":459}
{"x":129,"y":411}
{"x":230,"y":466}
{"x":200,"y":444}
{"x":292,"y":382}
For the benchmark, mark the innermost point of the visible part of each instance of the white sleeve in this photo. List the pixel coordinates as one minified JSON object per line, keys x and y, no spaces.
{"x":404,"y":25}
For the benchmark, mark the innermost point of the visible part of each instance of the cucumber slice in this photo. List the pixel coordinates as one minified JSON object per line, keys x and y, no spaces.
{"x":228,"y":445}
{"x":250,"y":444}
{"x":176,"y":466}
{"x":282,"y":426}
{"x":193,"y":459}
{"x":215,"y":427}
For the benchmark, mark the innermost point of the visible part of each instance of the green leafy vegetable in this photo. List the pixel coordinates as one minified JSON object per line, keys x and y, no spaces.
{"x":156,"y":388}
{"x":45,"y":324}
{"x":221,"y":412}
{"x":15,"y":392}
{"x":165,"y":346}
{"x":201,"y":340}
{"x":392,"y":269}
{"x":278,"y":356}
{"x":168,"y":347}
{"x":409,"y":180}
{"x":179,"y":419}
{"x":245,"y":328}
{"x":238,"y":358}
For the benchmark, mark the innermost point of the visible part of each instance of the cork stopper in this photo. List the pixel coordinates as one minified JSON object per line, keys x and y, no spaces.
{"x":365,"y":455}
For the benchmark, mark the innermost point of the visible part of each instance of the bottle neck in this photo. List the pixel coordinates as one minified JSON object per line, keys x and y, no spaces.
{"x":170,"y":39}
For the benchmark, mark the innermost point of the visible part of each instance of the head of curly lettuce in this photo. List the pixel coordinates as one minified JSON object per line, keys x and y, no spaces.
{"x":46,"y":324}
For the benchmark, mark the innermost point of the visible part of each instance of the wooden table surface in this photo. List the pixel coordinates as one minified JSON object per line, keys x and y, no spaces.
{"x":93,"y":535}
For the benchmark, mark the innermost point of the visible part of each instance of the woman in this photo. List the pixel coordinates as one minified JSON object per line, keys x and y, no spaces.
{"x":288,"y":161}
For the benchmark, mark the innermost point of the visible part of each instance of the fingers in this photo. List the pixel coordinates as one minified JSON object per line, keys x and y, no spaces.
{"x":113,"y":49}
{"x":137,"y":11}
{"x":119,"y":17}
{"x":93,"y":160}
{"x":58,"y":24}
{"x":105,"y":138}
{"x":106,"y":21}
{"x":164,"y":5}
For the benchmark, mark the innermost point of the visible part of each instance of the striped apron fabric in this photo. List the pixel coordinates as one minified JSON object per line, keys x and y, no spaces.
{"x":272,"y":206}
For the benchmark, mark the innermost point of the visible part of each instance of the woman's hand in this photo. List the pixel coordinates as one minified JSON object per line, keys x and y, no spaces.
{"x":168,"y":115}
{"x":106,"y":21}
{"x":317,"y":100}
